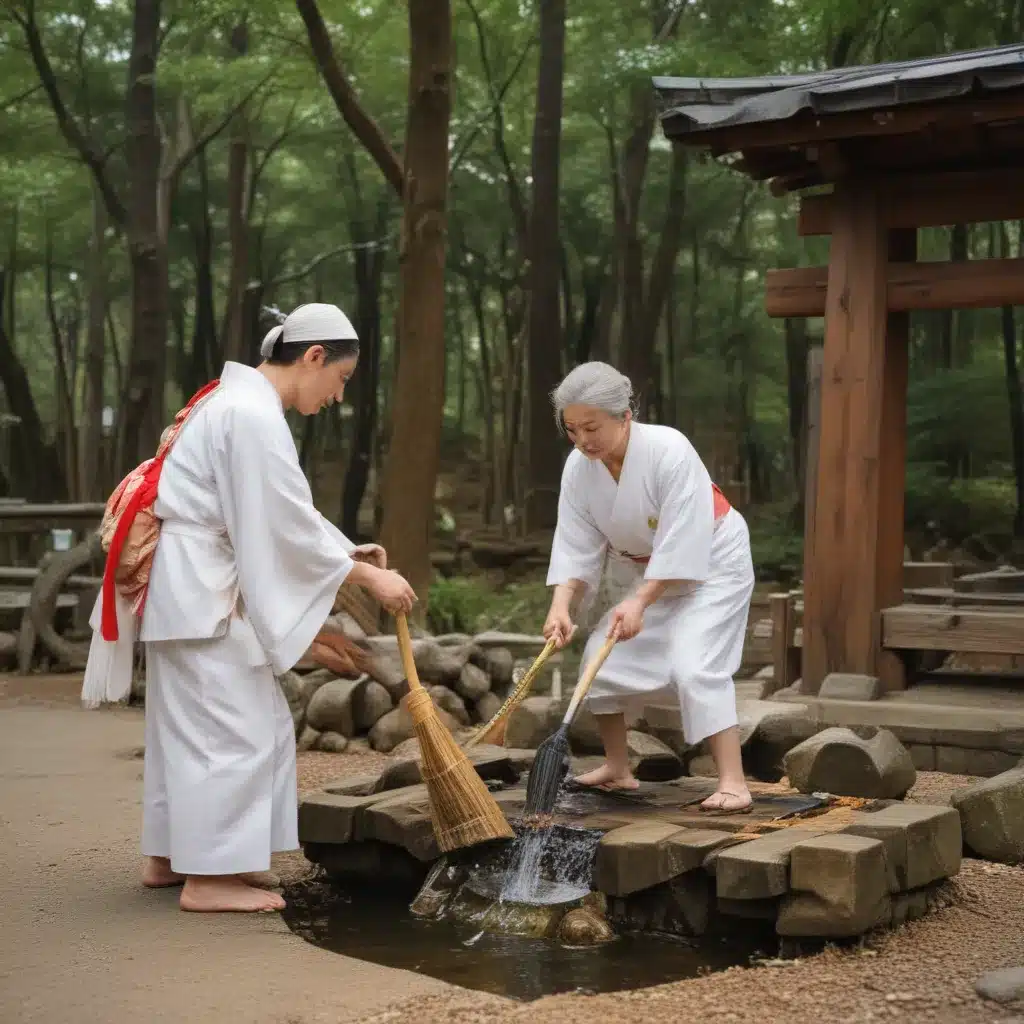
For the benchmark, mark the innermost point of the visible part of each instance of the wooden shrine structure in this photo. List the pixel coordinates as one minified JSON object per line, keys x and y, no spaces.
{"x":902,"y":146}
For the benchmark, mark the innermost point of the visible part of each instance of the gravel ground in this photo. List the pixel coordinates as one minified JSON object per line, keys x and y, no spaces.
{"x":924,"y":972}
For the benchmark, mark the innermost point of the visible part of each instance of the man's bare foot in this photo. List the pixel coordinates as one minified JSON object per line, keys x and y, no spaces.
{"x":735,"y":800}
{"x":225,"y":894}
{"x":607,"y":777}
{"x":157,"y":874}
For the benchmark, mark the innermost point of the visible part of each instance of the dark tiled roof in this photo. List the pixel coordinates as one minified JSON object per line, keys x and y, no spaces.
{"x":697,"y":105}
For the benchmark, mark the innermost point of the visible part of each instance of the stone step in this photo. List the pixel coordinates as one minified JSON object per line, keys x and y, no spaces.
{"x":950,"y":725}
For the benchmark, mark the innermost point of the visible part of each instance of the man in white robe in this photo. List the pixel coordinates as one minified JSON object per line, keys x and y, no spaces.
{"x":638,"y":514}
{"x":245,"y":573}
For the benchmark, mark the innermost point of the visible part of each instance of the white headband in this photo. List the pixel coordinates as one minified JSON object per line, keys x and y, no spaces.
{"x":315,"y":321}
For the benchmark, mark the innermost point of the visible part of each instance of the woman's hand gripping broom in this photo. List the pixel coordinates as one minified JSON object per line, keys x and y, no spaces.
{"x":463,"y":812}
{"x":494,"y":730}
{"x":552,"y":761}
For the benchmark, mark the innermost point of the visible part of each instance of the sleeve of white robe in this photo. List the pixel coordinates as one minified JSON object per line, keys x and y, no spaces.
{"x":290,"y":565}
{"x":346,"y":545}
{"x":686,"y":517}
{"x":578,"y":548}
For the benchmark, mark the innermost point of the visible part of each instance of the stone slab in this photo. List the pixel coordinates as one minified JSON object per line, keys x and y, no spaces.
{"x":647,"y":853}
{"x":923,"y":842}
{"x":404,"y":823}
{"x":951,"y":725}
{"x":759,"y":868}
{"x":330,"y":817}
{"x":490,"y":762}
{"x":354,"y":785}
{"x":839,"y":887}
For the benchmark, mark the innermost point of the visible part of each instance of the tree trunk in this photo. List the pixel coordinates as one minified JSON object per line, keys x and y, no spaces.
{"x":368,"y":265}
{"x":143,"y":413}
{"x":641,"y":366}
{"x":65,"y":426}
{"x":205,"y":360}
{"x":414,"y":450}
{"x":234,"y":332}
{"x":91,"y":477}
{"x":35,"y":468}
{"x":545,"y":329}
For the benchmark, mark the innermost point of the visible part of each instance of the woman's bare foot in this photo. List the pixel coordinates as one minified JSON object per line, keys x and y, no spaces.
{"x":225,"y":894}
{"x":157,"y":874}
{"x":734,"y":800}
{"x":608,"y":777}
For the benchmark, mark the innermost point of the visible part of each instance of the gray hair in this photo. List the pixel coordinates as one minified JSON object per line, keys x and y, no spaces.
{"x":597,"y":385}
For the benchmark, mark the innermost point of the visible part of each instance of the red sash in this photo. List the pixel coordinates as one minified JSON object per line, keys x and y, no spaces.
{"x":140,"y":486}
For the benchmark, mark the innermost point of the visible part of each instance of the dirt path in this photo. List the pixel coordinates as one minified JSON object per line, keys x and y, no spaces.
{"x":82,"y":943}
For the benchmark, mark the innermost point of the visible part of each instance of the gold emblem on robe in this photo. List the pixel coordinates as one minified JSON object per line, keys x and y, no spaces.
{"x":652,"y":523}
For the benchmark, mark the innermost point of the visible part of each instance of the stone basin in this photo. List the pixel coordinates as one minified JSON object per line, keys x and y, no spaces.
{"x":811,"y":867}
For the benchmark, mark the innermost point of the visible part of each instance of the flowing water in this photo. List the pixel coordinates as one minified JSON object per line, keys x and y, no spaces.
{"x":523,"y":876}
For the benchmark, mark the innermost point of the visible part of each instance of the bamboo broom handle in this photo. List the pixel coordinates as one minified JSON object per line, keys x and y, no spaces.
{"x":405,"y":649}
{"x":583,"y":686}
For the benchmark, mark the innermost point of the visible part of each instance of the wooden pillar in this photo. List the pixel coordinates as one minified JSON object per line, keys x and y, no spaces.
{"x":813,"y":437}
{"x":851,"y":563}
{"x":902,"y":247}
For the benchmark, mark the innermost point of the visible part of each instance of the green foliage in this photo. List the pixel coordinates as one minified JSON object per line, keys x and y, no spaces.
{"x":313,"y":192}
{"x":472,"y":604}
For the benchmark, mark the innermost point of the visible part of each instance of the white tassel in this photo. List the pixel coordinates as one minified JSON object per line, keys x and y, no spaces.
{"x":108,"y":671}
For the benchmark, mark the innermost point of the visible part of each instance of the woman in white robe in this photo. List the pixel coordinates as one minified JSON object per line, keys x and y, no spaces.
{"x":245,"y":573}
{"x":639,"y":514}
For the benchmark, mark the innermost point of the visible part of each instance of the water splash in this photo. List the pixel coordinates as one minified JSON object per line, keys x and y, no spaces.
{"x":545,"y":866}
{"x":524,"y":871}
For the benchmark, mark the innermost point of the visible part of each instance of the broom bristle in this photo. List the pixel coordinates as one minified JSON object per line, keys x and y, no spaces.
{"x":463,"y":812}
{"x":547,"y":774}
{"x":494,"y":731}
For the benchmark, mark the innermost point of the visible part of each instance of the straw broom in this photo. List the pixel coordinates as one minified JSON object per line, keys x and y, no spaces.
{"x":462,"y":810}
{"x":494,"y":730}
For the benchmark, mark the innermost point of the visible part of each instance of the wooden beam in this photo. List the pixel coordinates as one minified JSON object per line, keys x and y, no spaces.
{"x":931,"y":200}
{"x":842,"y":581}
{"x":808,"y":128}
{"x":975,"y":284}
{"x":967,"y":630}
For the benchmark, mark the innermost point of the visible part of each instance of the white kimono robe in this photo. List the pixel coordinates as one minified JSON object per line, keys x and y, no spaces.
{"x":245,"y":574}
{"x":662,"y":508}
